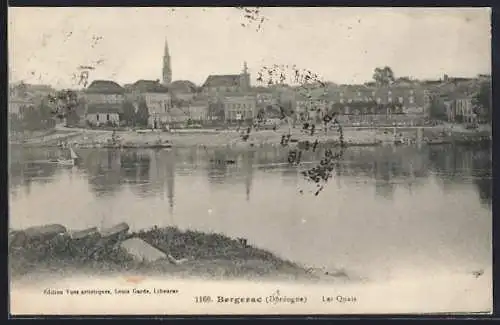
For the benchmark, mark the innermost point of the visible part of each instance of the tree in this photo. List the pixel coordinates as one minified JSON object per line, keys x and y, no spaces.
{"x":142,"y":114}
{"x":383,"y":76}
{"x":72,"y":118}
{"x":437,"y":109}
{"x":31,"y":118}
{"x":482,"y":101}
{"x":63,"y":102}
{"x":287,"y":110}
{"x":128,"y":113}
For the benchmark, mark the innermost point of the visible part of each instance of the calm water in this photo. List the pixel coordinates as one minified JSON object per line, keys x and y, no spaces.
{"x":386,"y":211}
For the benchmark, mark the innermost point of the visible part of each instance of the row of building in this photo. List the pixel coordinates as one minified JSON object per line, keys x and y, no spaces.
{"x":230,"y":98}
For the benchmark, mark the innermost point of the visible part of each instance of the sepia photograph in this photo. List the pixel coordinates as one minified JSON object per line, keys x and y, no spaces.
{"x":249,"y":160}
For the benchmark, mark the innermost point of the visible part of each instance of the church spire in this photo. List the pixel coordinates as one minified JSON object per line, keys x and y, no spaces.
{"x":245,"y":77}
{"x":167,"y":70}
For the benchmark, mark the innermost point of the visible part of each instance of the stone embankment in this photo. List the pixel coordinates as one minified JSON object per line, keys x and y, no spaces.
{"x":157,"y":250}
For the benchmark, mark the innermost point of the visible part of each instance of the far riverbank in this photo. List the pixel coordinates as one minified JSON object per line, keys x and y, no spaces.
{"x":86,"y":138}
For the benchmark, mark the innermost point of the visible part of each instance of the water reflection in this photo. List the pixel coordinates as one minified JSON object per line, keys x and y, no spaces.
{"x":464,"y":164}
{"x":153,"y":172}
{"x":30,"y":166}
{"x":104,"y":171}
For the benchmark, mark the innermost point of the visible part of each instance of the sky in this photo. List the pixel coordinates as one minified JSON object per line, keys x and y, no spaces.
{"x":342,"y":45}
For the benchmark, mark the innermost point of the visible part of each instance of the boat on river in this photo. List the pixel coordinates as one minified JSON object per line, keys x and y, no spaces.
{"x":68,"y":162}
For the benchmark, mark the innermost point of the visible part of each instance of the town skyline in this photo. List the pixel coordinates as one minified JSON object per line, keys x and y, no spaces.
{"x":346,"y":45}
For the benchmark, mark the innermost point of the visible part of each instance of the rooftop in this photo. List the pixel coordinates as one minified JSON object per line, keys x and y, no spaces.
{"x":148,"y":86}
{"x":229,"y":80}
{"x":184,"y":86}
{"x":104,"y":87}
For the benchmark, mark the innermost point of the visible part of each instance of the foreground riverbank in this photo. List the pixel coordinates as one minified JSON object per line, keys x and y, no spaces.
{"x":84,"y":138}
{"x":53,"y":250}
{"x":112,"y":271}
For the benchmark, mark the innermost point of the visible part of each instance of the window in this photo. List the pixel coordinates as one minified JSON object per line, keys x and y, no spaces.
{"x":97,"y":117}
{"x":412,"y":99}
{"x":341,"y":100}
{"x":389,"y":99}
{"x":107,"y":117}
{"x":400,"y":99}
{"x":349,"y":100}
{"x":379,"y":100}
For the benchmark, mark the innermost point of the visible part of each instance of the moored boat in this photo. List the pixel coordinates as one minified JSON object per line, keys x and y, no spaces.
{"x":68,"y":162}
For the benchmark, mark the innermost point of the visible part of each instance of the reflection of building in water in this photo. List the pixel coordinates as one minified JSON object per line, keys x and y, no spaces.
{"x":452,"y":162}
{"x":104,"y":169}
{"x":218,"y":168}
{"x":227,"y":166}
{"x":403,"y":164}
{"x":485,"y":189}
{"x":383,"y":179}
{"x":135,"y":165}
{"x":455,"y":163}
{"x":21,"y":172}
{"x":248,"y":159}
{"x":482,"y":172}
{"x":189,"y":156}
{"x":170,"y":178}
{"x":162,"y":174}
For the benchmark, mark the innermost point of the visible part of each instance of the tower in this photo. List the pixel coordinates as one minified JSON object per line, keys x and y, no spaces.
{"x":245,"y":68}
{"x":245,"y":78}
{"x":167,"y":70}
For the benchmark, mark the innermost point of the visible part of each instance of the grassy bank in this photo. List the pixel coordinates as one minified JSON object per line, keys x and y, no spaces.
{"x":202,"y":255}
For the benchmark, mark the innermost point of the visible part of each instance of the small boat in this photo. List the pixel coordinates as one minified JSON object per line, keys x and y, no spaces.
{"x":160,"y":146}
{"x":68,"y":162}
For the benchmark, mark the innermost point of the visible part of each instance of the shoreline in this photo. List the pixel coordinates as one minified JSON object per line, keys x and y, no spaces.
{"x":54,"y":250}
{"x":84,"y":138}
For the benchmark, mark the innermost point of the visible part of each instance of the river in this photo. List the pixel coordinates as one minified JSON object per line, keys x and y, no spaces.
{"x":386,"y":211}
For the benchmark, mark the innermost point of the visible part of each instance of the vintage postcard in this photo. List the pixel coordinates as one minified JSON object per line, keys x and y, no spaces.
{"x":243,"y":160}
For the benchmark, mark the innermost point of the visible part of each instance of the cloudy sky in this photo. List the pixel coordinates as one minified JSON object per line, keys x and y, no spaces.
{"x":343,"y":45}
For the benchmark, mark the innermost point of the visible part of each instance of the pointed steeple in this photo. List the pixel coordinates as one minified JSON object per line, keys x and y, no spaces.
{"x":245,"y":77}
{"x":167,"y":69}
{"x":165,"y":51}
